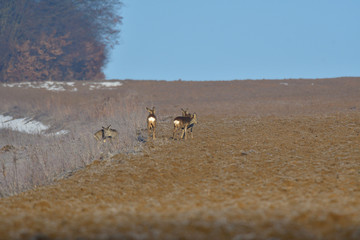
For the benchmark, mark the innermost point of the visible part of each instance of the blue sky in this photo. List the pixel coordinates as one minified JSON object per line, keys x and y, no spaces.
{"x":237,"y":39}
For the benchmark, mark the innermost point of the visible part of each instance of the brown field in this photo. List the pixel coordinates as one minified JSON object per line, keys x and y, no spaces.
{"x":269,"y":160}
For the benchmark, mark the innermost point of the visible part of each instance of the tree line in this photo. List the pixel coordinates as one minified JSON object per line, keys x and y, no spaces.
{"x":58,"y":40}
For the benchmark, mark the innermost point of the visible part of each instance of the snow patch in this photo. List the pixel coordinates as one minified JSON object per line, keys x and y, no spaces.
{"x":102,"y":85}
{"x":48,"y":85}
{"x":64,"y":86}
{"x":26,"y":125}
{"x":61,"y":132}
{"x":284,"y":83}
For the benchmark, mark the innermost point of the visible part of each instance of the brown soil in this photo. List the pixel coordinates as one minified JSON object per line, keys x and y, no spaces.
{"x":267,"y":161}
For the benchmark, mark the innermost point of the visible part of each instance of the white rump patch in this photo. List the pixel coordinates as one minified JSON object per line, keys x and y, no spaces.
{"x":151,"y":119}
{"x":176,"y":122}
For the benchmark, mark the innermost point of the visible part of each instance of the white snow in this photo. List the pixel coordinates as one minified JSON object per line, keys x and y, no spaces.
{"x":102,"y":85}
{"x":52,"y":87}
{"x":110,"y":84}
{"x":61,"y":132}
{"x":26,"y":125}
{"x":284,"y":83}
{"x":65,"y":86}
{"x":49,"y":85}
{"x":30,"y":126}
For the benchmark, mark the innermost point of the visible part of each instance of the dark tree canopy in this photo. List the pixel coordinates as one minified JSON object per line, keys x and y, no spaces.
{"x":56,"y":40}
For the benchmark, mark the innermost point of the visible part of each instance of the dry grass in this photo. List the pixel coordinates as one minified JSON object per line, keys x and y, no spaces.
{"x":37,"y":159}
{"x":290,"y":171}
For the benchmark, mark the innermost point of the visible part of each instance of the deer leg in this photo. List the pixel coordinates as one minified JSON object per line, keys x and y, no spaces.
{"x":186,"y":129}
{"x":153,"y":133}
{"x":149,"y":131}
{"x":183,"y":133}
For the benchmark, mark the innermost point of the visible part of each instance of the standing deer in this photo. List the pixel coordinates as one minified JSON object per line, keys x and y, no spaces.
{"x":185,"y":123}
{"x":106,"y":133}
{"x":151,"y":121}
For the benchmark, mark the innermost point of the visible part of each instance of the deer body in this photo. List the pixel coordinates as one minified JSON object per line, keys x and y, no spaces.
{"x":184,"y":123}
{"x":151,"y":122}
{"x":106,"y":133}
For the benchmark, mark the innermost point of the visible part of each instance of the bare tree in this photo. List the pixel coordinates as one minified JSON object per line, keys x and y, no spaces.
{"x":59,"y":40}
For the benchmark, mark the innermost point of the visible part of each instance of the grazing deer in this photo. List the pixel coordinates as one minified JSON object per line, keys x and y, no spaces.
{"x":151,"y":121}
{"x":185,"y":123}
{"x":185,"y":113}
{"x":106,"y":133}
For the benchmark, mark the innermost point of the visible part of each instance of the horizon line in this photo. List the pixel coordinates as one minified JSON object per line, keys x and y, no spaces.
{"x":229,"y":80}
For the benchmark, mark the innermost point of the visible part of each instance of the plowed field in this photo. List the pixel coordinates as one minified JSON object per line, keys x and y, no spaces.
{"x":242,"y":176}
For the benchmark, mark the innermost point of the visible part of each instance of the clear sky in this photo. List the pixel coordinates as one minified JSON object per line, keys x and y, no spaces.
{"x":237,"y":39}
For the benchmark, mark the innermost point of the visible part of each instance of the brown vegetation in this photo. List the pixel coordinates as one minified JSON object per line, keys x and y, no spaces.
{"x":58,"y":40}
{"x":40,"y":159}
{"x":269,"y":161}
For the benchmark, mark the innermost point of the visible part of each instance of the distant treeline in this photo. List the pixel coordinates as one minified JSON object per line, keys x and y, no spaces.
{"x":56,"y":40}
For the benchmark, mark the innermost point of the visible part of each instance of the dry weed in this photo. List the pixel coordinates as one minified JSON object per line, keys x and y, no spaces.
{"x":36,"y":160}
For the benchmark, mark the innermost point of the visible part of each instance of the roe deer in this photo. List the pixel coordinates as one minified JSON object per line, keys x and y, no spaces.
{"x":185,"y":123}
{"x":106,"y":133}
{"x":151,"y":122}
